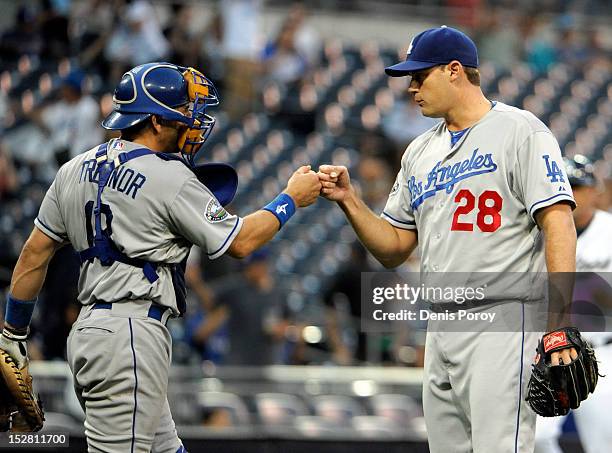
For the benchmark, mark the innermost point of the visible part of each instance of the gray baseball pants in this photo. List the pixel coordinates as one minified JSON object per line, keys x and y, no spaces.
{"x":475,"y":384}
{"x":120,"y":359}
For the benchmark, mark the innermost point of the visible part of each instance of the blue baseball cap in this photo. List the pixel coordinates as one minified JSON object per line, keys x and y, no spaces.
{"x":434,"y":47}
{"x":74,"y":80}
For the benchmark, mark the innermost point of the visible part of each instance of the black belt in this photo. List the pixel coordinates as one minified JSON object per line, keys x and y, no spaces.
{"x":155,"y":311}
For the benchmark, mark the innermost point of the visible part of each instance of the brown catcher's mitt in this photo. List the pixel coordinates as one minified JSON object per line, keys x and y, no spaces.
{"x":20,"y":410}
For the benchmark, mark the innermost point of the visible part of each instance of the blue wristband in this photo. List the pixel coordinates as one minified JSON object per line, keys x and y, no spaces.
{"x":283,"y":207}
{"x":19,"y":312}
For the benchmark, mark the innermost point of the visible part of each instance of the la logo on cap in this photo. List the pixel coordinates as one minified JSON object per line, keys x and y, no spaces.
{"x":410,"y":47}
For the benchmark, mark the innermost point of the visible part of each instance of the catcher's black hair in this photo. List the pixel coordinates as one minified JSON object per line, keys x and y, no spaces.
{"x":136,"y":130}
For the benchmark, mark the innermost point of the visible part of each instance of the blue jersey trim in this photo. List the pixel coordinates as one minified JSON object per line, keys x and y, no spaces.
{"x":62,"y":237}
{"x":456,"y":135}
{"x":135,"y":385}
{"x":566,"y":195}
{"x":399,"y":221}
{"x":226,"y":239}
{"x":520,"y":395}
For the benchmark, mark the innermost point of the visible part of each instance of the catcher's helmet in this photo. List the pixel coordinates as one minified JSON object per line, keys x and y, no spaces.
{"x":157,"y":89}
{"x":579,"y":171}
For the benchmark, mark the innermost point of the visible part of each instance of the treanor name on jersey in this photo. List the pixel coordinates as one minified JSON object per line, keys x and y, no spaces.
{"x":123,"y":179}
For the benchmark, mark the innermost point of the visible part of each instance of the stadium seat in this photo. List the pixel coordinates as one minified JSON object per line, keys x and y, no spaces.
{"x":228,"y":401}
{"x":338,"y":409}
{"x":279,"y":408}
{"x":314,"y":426}
{"x":395,"y":407}
{"x":373,"y":426}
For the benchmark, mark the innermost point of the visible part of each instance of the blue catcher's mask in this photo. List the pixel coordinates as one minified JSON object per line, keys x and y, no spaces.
{"x":158,"y":89}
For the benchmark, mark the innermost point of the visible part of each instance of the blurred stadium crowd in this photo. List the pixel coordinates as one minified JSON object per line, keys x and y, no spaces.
{"x":289,"y":96}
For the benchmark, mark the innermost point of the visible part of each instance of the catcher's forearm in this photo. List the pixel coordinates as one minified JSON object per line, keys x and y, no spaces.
{"x":27,"y":280}
{"x":560,"y":251}
{"x":257,"y":229}
{"x":31,"y":268}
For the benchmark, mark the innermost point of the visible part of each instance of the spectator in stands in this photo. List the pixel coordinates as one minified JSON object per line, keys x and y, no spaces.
{"x":241,"y":27}
{"x":306,"y":39}
{"x":91,"y":25}
{"x":348,"y":344}
{"x":572,"y":47}
{"x":205,"y":324}
{"x":54,"y":32}
{"x":375,"y":180}
{"x":497,"y":39}
{"x":281,"y":60}
{"x":137,"y":39}
{"x":404,"y":122}
{"x":538,"y":44}
{"x":71,"y":123}
{"x":210,"y":42}
{"x":184,"y":45}
{"x":240,"y":321}
{"x":22,"y":38}
{"x":294,"y":50}
{"x":258,"y":317}
{"x":298,"y":112}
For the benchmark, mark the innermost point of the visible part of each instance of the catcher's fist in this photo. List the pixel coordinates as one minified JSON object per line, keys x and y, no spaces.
{"x":14,"y":345}
{"x":303,"y":186}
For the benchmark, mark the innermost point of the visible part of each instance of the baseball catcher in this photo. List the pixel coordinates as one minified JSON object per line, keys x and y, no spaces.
{"x":132,"y":208}
{"x":555,"y":389}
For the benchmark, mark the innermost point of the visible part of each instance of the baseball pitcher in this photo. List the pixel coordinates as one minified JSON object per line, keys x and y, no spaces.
{"x":482,"y":191}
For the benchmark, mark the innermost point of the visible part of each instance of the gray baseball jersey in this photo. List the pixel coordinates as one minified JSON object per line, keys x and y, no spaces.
{"x":473,"y":203}
{"x":155,"y":210}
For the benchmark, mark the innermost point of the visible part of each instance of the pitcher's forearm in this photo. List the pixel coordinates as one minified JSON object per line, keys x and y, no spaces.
{"x":560,"y":252}
{"x":376,"y":234}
